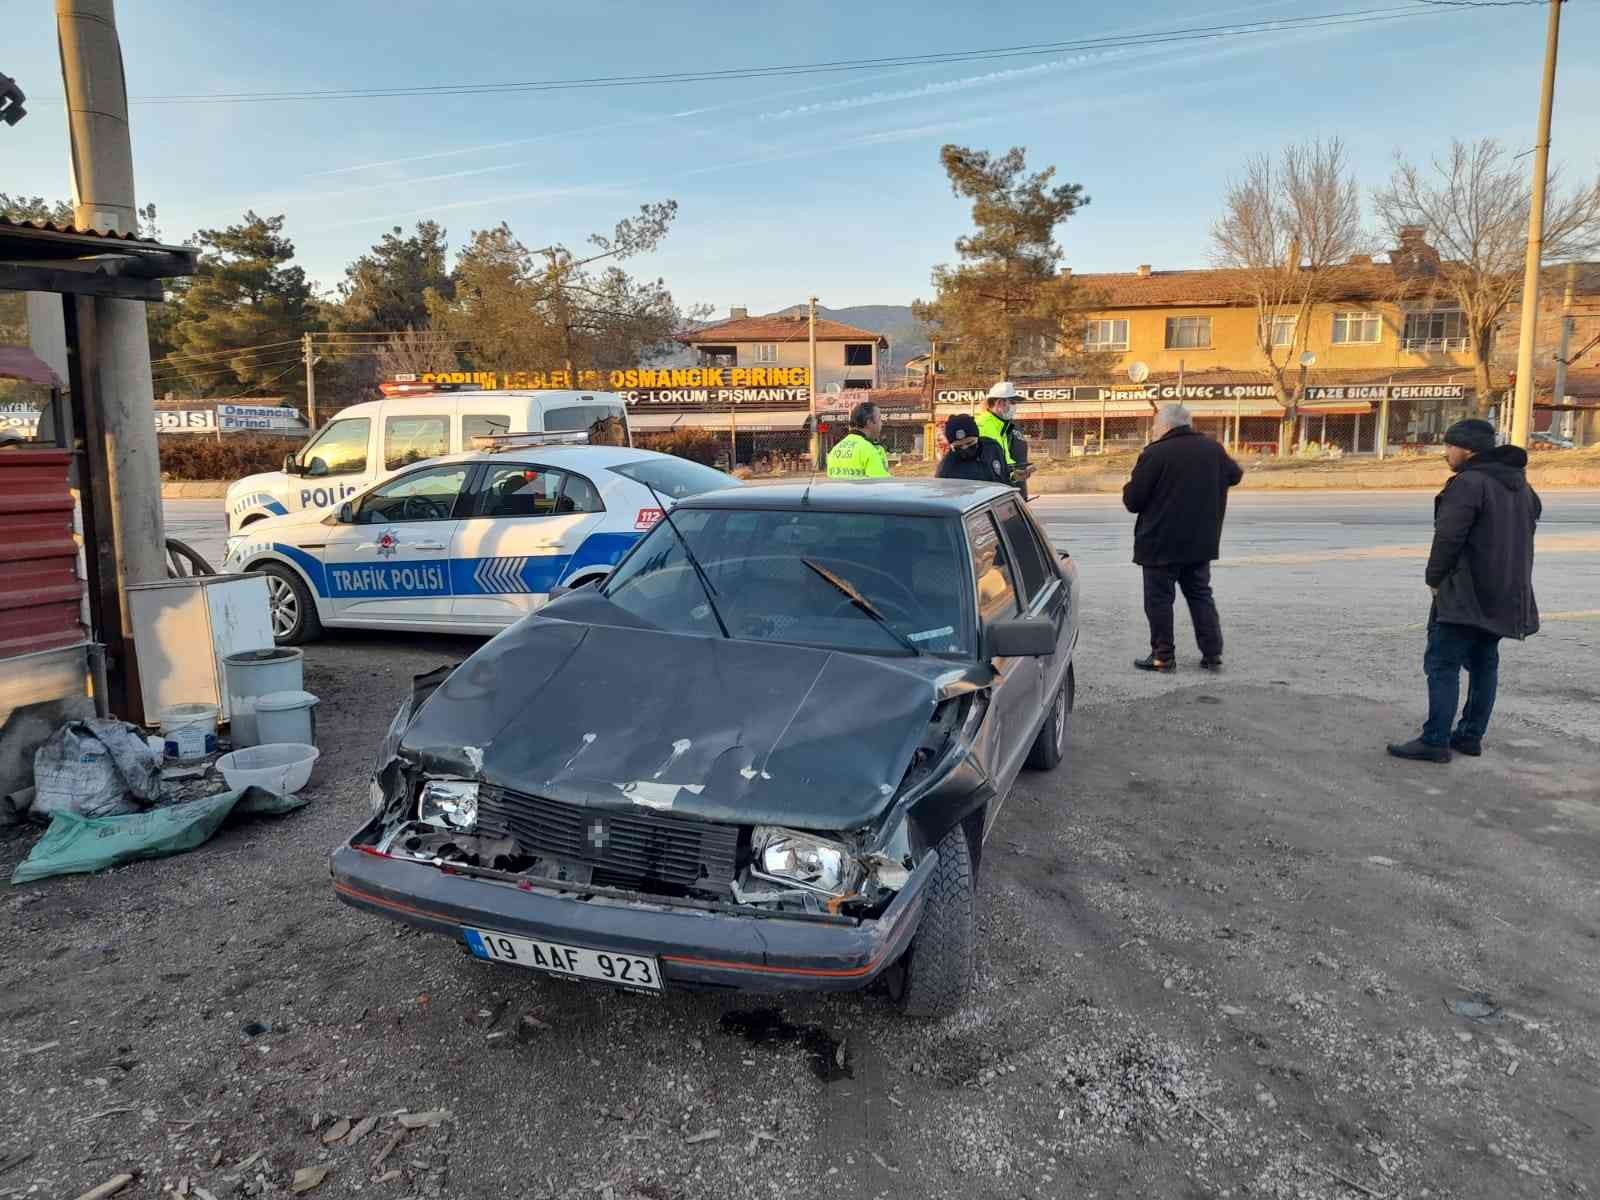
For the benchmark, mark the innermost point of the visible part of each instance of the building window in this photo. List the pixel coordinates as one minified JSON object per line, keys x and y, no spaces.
{"x":719,"y":356}
{"x":1188,"y":333}
{"x":857,"y":355}
{"x":1443,"y":330}
{"x":1277,"y":332}
{"x":1105,"y":335}
{"x":767,"y":352}
{"x":1356,"y":328}
{"x":855,"y":384}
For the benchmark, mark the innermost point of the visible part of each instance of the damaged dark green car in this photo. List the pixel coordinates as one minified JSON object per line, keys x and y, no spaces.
{"x":763,"y":755}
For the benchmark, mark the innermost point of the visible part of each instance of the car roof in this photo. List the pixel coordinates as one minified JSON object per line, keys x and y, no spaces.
{"x":899,"y":497}
{"x":591,"y":457}
{"x":420,"y":400}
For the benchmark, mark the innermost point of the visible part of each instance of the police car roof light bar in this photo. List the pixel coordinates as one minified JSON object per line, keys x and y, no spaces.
{"x":498,"y":443}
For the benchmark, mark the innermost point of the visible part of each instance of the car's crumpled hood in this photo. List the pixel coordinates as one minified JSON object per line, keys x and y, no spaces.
{"x":615,"y":716}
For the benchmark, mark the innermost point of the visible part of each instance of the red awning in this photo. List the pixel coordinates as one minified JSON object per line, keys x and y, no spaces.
{"x":19,"y":362}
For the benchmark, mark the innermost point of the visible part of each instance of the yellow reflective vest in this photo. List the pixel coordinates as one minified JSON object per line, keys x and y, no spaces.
{"x":993,"y":428}
{"x":857,"y":458}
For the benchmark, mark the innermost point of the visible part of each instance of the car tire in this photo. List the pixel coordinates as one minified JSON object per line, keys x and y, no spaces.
{"x":937,"y":971}
{"x":292,"y":609}
{"x":1050,"y":747}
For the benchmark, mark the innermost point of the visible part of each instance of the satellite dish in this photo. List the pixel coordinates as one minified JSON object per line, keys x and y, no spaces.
{"x":1308,"y":359}
{"x":1138,"y":371}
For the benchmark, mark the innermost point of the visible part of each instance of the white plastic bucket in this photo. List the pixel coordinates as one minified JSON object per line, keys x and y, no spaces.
{"x":286,"y":717}
{"x":188,"y":731}
{"x":253,"y":674}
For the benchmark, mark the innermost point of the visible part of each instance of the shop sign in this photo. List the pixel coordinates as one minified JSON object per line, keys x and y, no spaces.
{"x":186,"y":420}
{"x":639,"y":380}
{"x":1387,"y":391}
{"x":231,"y":417}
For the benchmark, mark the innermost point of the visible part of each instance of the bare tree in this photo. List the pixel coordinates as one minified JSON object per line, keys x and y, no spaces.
{"x":413,"y":351}
{"x":1473,"y":207}
{"x":1289,"y":228}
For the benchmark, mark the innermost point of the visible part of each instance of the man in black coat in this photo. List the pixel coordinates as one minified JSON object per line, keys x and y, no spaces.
{"x":1481,"y":573}
{"x":1179,"y":489}
{"x":971,"y":457}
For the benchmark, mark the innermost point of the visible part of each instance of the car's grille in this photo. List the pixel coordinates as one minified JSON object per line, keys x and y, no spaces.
{"x":633,"y":848}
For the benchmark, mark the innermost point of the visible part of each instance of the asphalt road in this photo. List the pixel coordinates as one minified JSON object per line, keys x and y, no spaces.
{"x":1325,"y":587}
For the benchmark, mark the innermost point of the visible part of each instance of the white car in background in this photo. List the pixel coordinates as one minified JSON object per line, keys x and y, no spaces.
{"x":368,"y":441}
{"x":468,"y":543}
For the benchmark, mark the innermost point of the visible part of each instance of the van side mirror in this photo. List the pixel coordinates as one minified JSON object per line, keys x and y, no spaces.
{"x":290,"y":466}
{"x":347,"y":514}
{"x":1019,"y":637}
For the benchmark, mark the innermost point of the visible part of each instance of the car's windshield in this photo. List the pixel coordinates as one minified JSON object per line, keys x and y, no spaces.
{"x":908,"y":568}
{"x":675,"y":478}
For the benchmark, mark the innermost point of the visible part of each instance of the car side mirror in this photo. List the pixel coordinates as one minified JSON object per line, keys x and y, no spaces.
{"x":316,"y":467}
{"x":1019,"y":637}
{"x":562,"y":589}
{"x":290,"y":466}
{"x":347,"y":513}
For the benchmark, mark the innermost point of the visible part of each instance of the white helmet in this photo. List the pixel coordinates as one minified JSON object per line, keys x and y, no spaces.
{"x":1004,"y":390}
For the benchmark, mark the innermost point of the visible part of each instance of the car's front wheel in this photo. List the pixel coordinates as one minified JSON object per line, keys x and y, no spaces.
{"x":1050,"y":747}
{"x":937,"y":970}
{"x":294,"y":612}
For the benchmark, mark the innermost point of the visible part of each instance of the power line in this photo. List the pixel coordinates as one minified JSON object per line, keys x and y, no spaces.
{"x":939,"y":58}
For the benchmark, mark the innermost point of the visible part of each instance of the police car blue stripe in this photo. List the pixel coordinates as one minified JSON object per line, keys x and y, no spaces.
{"x":273,"y":507}
{"x":307,"y":563}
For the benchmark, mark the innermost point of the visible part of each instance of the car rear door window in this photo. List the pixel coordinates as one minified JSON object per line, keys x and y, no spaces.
{"x":1032,"y":570}
{"x":411,"y":439}
{"x":520,"y":490}
{"x":579,"y":495}
{"x":482,"y":425}
{"x":997,"y":597}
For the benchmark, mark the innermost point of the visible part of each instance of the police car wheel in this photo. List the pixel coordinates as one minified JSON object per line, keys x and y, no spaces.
{"x":294,"y":612}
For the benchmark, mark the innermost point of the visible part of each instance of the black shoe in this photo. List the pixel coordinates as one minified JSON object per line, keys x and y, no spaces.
{"x":1152,"y":663}
{"x":1420,"y":751}
{"x":1470,"y":746}
{"x":1211,"y":664}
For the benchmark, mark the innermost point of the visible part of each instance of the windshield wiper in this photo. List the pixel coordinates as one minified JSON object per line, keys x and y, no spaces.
{"x":854,"y":594}
{"x":700,"y":572}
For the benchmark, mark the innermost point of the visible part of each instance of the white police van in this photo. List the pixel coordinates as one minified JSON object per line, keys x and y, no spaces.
{"x":367,"y":441}
{"x":467,"y":543}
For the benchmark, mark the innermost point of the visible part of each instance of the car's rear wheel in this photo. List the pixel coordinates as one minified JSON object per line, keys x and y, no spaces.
{"x":293,"y":610}
{"x":937,"y":971}
{"x":1050,"y":747}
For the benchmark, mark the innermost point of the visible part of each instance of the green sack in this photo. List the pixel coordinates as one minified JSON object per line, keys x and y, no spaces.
{"x":78,"y":845}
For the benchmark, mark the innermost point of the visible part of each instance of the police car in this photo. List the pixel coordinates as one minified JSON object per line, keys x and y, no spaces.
{"x":413,"y":421}
{"x":467,"y":543}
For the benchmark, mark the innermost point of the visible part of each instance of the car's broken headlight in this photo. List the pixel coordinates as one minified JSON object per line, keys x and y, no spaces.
{"x":803,"y":860}
{"x":448,"y":803}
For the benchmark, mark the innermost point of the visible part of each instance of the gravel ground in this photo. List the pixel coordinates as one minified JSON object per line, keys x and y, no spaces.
{"x":1227,"y":951}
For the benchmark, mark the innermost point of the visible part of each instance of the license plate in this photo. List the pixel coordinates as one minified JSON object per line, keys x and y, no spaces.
{"x":605,"y":966}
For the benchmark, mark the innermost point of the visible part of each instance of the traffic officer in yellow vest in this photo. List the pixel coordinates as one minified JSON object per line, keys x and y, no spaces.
{"x":996,"y":415}
{"x":858,"y":455}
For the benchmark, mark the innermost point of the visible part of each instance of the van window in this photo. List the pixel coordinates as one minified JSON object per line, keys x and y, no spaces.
{"x":482,"y":425}
{"x":576,"y":418}
{"x":411,"y":439}
{"x":341,"y":447}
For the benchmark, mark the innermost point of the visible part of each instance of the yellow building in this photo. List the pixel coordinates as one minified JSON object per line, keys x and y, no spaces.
{"x":1389,"y":360}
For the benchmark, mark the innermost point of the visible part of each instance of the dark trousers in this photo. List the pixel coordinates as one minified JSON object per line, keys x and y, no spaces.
{"x":1450,"y":648}
{"x":1195,"y":580}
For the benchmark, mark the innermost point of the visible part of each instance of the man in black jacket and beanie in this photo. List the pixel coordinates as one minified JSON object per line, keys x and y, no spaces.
{"x":971,"y":457}
{"x":1481,"y":573}
{"x":1179,"y":489}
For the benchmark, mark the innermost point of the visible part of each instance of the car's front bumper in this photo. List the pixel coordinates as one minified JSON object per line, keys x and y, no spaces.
{"x":695,"y":947}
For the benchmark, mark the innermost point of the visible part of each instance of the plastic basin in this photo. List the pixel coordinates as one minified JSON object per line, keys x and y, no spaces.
{"x":282,"y":768}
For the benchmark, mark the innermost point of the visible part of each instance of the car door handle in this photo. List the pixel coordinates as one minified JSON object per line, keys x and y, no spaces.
{"x":427,"y":545}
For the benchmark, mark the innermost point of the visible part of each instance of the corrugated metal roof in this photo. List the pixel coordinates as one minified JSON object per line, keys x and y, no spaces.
{"x":52,"y":227}
{"x":779,"y":329}
{"x":40,"y":593}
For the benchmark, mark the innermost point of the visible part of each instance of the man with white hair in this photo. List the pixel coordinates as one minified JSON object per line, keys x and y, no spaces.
{"x":1179,"y":489}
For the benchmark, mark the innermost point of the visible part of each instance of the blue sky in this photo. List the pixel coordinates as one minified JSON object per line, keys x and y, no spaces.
{"x":787,"y":186}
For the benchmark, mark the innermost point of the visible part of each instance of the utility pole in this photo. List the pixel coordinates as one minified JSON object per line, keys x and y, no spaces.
{"x":1558,"y":392}
{"x":103,"y":200}
{"x":816,"y":438}
{"x":311,"y":380}
{"x":1522,"y":410}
